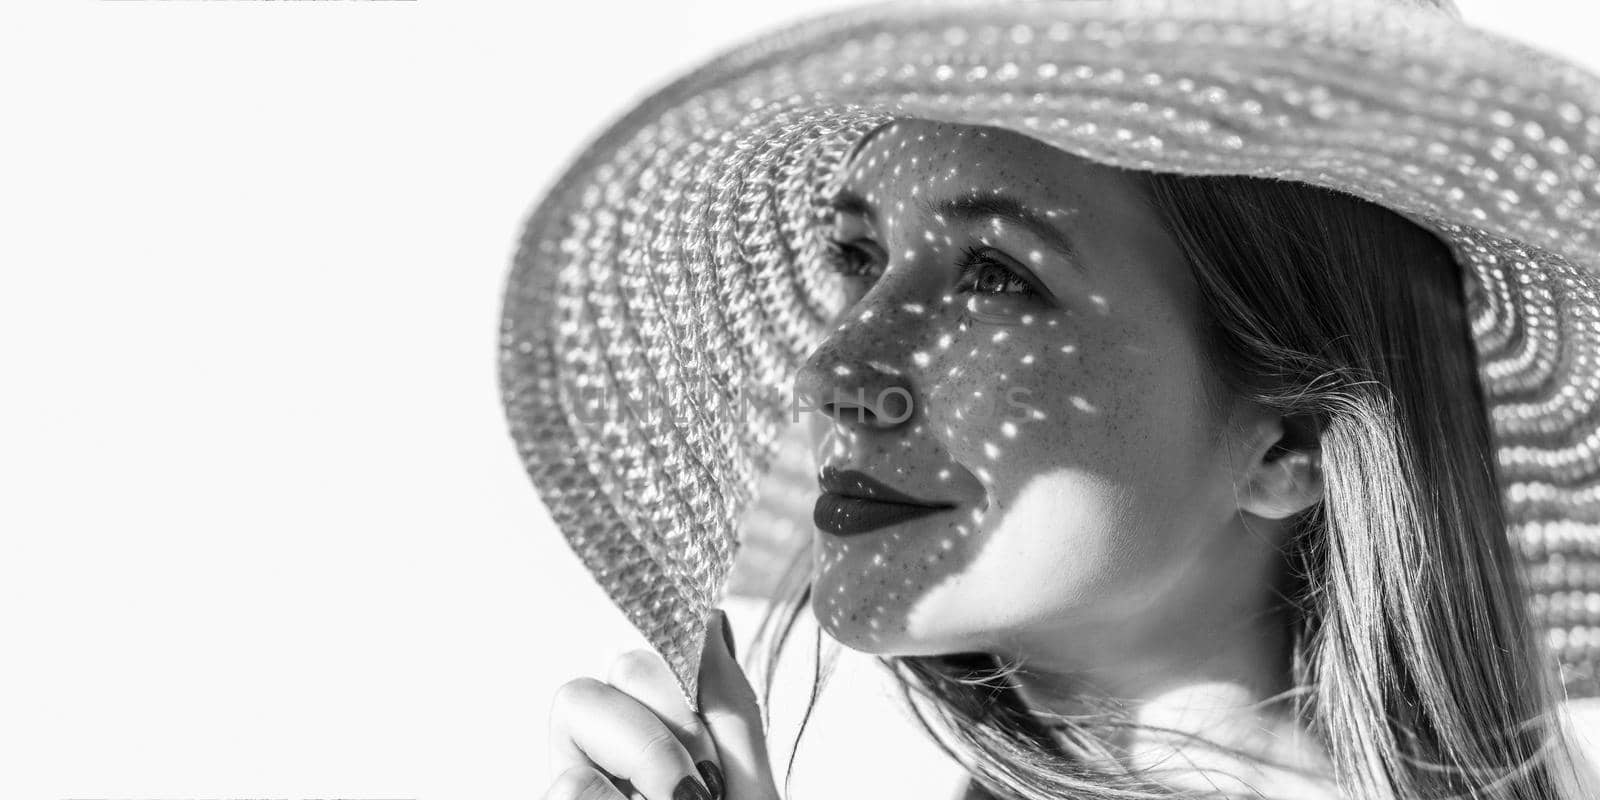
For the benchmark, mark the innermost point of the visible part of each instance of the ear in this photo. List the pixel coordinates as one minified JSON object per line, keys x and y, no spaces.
{"x":1284,"y":475}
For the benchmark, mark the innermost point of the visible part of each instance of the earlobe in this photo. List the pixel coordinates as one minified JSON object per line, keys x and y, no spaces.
{"x":1284,"y":485}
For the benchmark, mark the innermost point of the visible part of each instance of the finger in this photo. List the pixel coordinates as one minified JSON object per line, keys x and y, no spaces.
{"x":594,"y":721}
{"x":728,"y":705}
{"x":645,"y":676}
{"x":582,"y":782}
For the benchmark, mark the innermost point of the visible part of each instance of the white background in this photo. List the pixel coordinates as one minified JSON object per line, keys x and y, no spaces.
{"x":264,"y":532}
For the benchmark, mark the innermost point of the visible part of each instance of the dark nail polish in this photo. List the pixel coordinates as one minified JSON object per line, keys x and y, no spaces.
{"x":727,"y":633}
{"x":689,"y":789}
{"x":712,"y":776}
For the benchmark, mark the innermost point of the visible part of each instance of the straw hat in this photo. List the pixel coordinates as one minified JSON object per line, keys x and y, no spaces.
{"x":676,"y":263}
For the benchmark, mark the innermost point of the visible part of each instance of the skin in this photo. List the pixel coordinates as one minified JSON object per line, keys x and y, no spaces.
{"x":633,"y":735}
{"x":1117,"y":511}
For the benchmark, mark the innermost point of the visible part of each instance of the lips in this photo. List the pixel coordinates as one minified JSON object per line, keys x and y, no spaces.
{"x":854,"y":502}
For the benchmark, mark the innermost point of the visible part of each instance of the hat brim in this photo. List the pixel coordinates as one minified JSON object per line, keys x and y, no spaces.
{"x":676,"y":261}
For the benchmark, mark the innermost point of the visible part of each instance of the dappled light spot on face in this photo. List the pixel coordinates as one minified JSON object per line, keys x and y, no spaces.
{"x":1078,"y":389}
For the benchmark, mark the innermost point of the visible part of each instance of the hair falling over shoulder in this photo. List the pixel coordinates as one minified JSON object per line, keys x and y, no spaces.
{"x":1414,"y":659}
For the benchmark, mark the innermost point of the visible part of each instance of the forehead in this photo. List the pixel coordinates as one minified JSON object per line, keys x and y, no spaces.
{"x":926,"y":158}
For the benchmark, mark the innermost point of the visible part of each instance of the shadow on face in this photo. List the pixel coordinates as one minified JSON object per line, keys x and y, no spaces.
{"x":1024,"y":351}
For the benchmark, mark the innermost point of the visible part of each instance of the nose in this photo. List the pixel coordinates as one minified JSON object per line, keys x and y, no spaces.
{"x":857,"y":376}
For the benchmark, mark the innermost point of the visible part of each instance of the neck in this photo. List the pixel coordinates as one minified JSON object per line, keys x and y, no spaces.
{"x":1208,"y":664}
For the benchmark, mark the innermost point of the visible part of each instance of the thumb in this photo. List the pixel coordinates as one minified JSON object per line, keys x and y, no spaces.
{"x":729,"y":707}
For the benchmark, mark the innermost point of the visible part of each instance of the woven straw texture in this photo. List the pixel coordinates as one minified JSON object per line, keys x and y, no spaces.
{"x":675,"y":265}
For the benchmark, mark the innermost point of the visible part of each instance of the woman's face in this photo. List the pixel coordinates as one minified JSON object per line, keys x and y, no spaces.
{"x":1028,"y":353}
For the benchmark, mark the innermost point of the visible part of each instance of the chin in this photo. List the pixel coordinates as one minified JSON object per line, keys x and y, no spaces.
{"x":875,"y":630}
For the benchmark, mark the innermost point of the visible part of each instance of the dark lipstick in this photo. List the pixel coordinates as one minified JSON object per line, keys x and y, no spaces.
{"x":854,"y":502}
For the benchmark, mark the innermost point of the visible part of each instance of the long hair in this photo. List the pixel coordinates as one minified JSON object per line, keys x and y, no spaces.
{"x":1413,"y":657}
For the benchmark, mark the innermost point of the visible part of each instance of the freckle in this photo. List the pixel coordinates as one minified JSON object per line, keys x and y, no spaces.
{"x":1036,"y":414}
{"x":1069,"y":349}
{"x":1027,"y":319}
{"x":1027,"y":359}
{"x":981,"y":473}
{"x":944,"y":474}
{"x":1035,"y":256}
{"x":927,"y":236}
{"x":920,"y":358}
{"x":1000,"y":337}
{"x":841,"y":370}
{"x":911,"y":255}
{"x":1082,"y":404}
{"x":1053,"y":323}
{"x":944,"y":341}
{"x":1009,"y":429}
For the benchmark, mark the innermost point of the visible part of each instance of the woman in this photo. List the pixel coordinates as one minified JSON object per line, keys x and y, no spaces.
{"x":1144,"y":485}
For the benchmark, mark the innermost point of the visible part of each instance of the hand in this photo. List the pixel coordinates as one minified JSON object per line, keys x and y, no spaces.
{"x":634,"y":736}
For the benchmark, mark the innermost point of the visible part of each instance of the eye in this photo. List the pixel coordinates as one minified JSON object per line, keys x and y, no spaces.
{"x":856,"y":258}
{"x":982,"y":274}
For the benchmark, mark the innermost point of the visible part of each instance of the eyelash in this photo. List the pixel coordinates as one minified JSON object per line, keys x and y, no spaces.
{"x":974,"y":261}
{"x":841,"y":259}
{"x":849,"y":259}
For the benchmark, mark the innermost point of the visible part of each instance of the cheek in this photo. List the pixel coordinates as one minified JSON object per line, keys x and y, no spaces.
{"x":1067,"y":547}
{"x":1084,"y":434}
{"x":1118,"y":400}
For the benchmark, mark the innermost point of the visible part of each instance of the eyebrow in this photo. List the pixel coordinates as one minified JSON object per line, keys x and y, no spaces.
{"x":974,"y":208}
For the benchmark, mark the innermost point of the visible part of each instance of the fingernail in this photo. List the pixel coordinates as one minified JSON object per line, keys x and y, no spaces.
{"x":727,"y":633}
{"x":712,"y":776}
{"x":689,"y":789}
